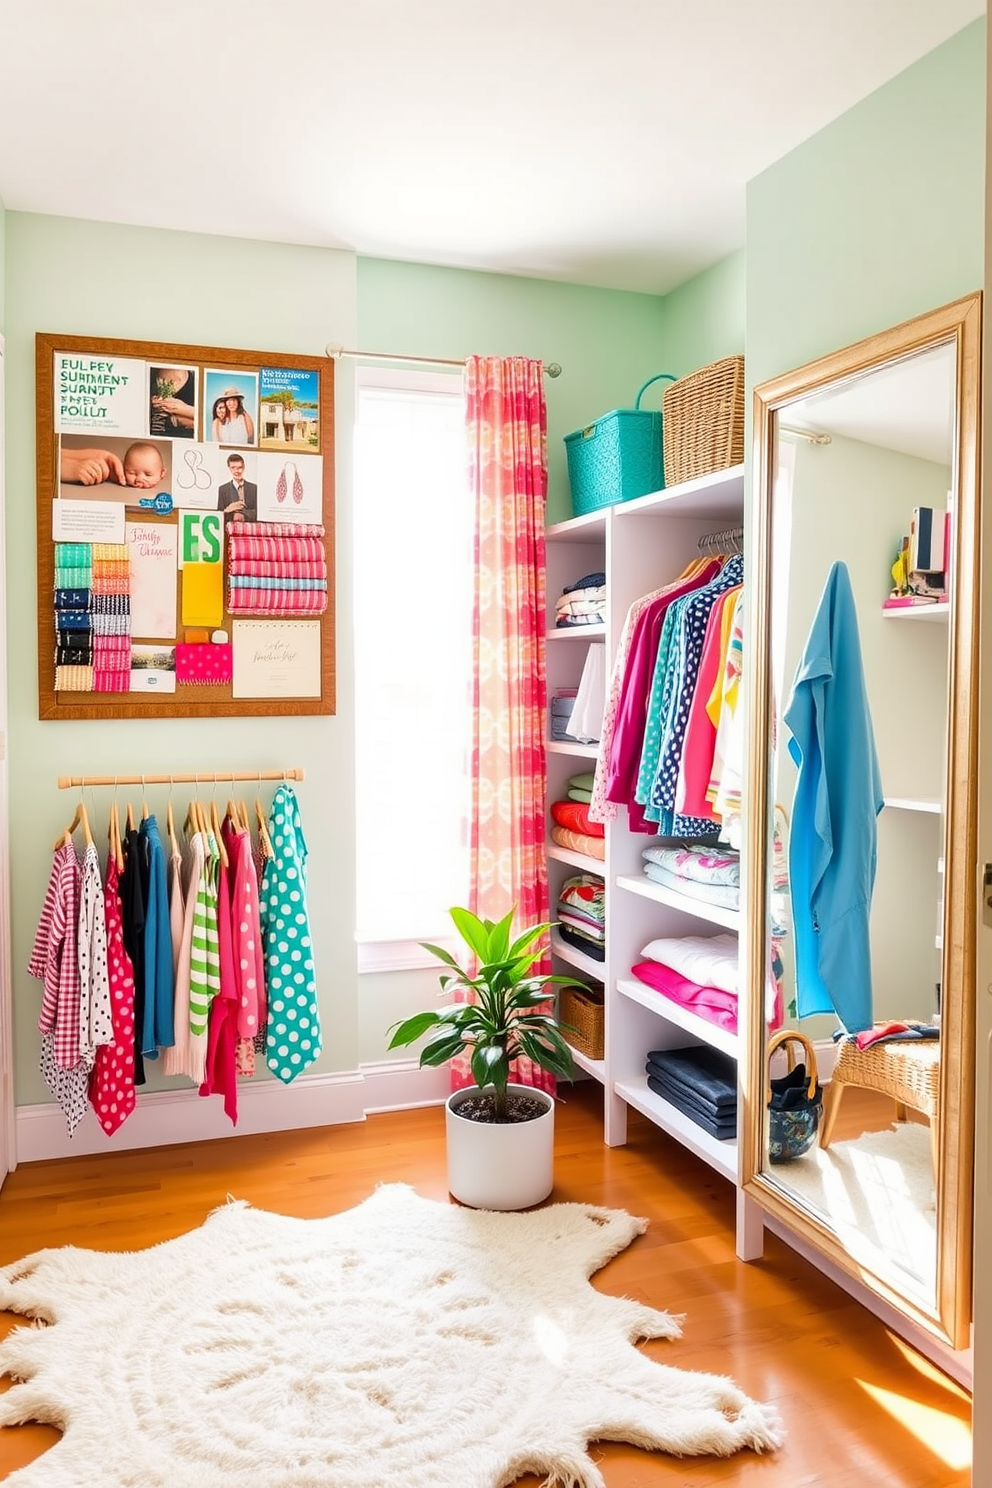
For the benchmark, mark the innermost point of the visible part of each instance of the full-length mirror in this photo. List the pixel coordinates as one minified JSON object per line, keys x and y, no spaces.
{"x":863,"y":671}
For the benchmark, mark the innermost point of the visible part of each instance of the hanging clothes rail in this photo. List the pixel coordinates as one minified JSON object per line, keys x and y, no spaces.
{"x":209,"y":777}
{"x":551,"y":369}
{"x":731,"y":540}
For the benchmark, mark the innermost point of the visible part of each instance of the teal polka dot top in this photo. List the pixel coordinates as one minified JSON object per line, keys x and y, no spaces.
{"x":292,"y":1037}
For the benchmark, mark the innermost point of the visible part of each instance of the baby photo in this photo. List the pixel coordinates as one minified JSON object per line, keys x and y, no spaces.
{"x":132,"y":471}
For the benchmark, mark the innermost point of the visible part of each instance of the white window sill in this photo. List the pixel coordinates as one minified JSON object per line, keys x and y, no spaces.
{"x":399,"y":955}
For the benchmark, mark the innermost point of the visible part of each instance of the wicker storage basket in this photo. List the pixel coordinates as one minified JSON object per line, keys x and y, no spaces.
{"x":703,"y":417}
{"x":582,"y":1009}
{"x":618,"y":457}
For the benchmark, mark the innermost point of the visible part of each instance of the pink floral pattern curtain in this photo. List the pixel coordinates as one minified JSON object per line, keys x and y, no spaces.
{"x":507,"y":428}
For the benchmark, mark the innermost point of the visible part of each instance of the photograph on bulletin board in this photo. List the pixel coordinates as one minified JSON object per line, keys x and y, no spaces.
{"x":185,"y":530}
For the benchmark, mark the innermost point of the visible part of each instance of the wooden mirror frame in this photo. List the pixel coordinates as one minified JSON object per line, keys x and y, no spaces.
{"x":960,"y":324}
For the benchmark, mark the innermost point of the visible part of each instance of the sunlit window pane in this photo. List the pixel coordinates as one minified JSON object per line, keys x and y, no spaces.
{"x":413,"y":613}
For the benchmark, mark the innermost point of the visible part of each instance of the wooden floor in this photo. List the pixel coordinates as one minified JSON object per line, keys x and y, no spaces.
{"x":860,"y":1407}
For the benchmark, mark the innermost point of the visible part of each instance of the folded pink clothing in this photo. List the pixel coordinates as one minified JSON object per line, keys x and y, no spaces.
{"x":710,"y":1003}
{"x":592,"y":847}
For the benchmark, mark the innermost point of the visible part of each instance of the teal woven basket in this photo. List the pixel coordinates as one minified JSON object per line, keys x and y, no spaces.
{"x":617,"y":458}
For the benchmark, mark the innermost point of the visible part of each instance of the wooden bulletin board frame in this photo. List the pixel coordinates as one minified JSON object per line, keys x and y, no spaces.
{"x":200,"y":701}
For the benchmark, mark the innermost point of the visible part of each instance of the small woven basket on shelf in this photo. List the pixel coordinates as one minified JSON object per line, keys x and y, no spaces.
{"x":581,"y":1014}
{"x":703,"y":421}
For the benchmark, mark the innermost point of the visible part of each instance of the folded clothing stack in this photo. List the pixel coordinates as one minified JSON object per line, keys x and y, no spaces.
{"x":562,"y":704}
{"x":581,"y":914}
{"x":582,"y":603}
{"x":698,"y":870}
{"x":701,"y":1083}
{"x":699,"y":972}
{"x":574,"y":830}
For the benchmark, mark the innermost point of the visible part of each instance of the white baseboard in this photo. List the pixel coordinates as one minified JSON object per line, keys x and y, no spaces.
{"x":163,"y":1118}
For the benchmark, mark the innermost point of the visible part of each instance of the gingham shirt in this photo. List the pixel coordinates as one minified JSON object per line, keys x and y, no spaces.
{"x":55,"y":959}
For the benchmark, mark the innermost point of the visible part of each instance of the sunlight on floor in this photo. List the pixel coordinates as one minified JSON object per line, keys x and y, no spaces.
{"x":946,"y":1436}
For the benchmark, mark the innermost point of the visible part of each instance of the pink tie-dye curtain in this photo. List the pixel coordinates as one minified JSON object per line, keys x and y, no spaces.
{"x":507,"y":428}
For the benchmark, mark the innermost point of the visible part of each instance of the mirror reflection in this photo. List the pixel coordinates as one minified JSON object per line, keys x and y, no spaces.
{"x":861,"y":615}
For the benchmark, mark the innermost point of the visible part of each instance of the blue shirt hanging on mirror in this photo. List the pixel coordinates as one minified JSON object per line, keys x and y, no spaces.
{"x":833,"y":849}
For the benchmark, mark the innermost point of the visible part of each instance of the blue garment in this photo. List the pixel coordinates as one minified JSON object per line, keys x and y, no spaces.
{"x":833,"y":848}
{"x":158,"y":1025}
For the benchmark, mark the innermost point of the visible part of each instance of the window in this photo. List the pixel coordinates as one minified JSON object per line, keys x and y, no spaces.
{"x":413,"y":657}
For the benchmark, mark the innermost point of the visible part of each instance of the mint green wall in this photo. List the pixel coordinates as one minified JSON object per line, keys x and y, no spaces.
{"x":95,"y":278}
{"x":877,"y":218}
{"x":704,"y":318}
{"x":3,"y":252}
{"x":607,"y":341}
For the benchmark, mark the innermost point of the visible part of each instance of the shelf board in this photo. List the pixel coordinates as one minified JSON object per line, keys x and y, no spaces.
{"x":566,"y":746}
{"x":714,"y":913}
{"x":594,"y":1067}
{"x":918,"y":612}
{"x":592,"y":968}
{"x":717,"y":496}
{"x":672,"y":1012}
{"x":589,"y":528}
{"x":913,"y":803}
{"x":720,"y":1155}
{"x":576,"y":859}
{"x":577,"y":633}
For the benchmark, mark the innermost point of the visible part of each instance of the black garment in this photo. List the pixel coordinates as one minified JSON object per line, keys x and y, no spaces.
{"x":132,"y":891}
{"x":163,"y":424}
{"x":228,"y":492}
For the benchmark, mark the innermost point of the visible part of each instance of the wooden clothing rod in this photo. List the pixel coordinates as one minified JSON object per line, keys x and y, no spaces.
{"x":212,"y":777}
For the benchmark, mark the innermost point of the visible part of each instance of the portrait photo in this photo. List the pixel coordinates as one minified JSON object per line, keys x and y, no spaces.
{"x":230,"y":407}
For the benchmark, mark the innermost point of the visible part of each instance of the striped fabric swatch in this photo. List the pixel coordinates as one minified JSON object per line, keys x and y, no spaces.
{"x":267,"y":568}
{"x":110,"y":604}
{"x":73,"y":679}
{"x":72,"y":599}
{"x":279,"y":549}
{"x":111,"y":625}
{"x":287,"y":529}
{"x":204,"y":956}
{"x":73,"y":554}
{"x":276,"y":601}
{"x":77,"y":577}
{"x":113,"y":552}
{"x":249,"y":581}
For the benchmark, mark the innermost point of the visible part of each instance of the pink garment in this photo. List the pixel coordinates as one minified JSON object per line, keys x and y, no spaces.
{"x":246,"y":933}
{"x":220,"y":1075}
{"x":287,"y":529}
{"x":700,"y":734}
{"x":246,"y":545}
{"x":55,"y":956}
{"x":185,"y":1057}
{"x":711,"y":1003}
{"x":112,"y":1093}
{"x":283,"y":568}
{"x":632,"y":709}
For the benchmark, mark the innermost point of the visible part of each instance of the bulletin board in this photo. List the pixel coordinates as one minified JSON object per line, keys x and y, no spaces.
{"x":185,"y":521}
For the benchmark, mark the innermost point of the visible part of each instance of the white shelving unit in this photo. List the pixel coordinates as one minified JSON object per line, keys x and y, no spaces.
{"x":640,"y":545}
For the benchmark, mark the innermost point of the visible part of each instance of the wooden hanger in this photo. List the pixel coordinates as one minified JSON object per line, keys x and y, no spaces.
{"x":194,"y":819}
{"x":263,"y":831}
{"x":215,"y":826}
{"x":243,"y":816}
{"x":81,"y":819}
{"x":130,"y":817}
{"x":114,"y":837}
{"x":170,"y":824}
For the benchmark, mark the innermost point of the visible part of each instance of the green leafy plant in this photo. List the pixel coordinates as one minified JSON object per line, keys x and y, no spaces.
{"x":504,"y":1017}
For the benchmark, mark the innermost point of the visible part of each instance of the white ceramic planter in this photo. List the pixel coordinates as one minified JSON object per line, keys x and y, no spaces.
{"x":500,"y":1166}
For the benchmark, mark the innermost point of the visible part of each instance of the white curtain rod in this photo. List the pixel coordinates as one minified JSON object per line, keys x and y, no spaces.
{"x":552,"y":369}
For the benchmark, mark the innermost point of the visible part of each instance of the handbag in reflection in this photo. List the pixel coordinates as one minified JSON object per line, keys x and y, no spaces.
{"x":795,"y":1100}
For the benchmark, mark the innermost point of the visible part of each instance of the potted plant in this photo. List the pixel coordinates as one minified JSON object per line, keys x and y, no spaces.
{"x":500,"y":1136}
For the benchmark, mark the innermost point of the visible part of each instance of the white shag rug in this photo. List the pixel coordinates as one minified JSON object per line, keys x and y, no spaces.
{"x":402,"y":1344}
{"x":877,"y":1193}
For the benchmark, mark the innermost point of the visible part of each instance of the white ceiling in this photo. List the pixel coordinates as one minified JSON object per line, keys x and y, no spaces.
{"x":603,"y":142}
